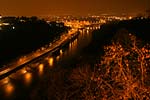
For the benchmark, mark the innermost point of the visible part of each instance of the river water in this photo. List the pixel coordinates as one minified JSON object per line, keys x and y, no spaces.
{"x":19,"y":85}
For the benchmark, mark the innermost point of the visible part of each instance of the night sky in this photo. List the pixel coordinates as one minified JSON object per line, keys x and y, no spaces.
{"x":71,"y":7}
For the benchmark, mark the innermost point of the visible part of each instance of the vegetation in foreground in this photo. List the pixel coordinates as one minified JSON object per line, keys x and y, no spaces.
{"x":121,"y":74}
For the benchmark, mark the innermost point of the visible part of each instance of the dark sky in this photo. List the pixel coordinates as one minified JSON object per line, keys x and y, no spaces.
{"x":75,"y":7}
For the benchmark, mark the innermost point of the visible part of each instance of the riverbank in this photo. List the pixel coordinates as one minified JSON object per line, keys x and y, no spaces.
{"x":26,"y":59}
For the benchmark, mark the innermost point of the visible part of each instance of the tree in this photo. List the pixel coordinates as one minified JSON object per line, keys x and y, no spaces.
{"x":34,"y":18}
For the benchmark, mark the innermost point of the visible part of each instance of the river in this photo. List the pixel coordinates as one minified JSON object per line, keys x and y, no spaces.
{"x":21,"y":84}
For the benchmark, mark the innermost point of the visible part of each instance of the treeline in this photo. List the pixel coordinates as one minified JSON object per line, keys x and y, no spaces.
{"x":140,"y":27}
{"x":23,"y":35}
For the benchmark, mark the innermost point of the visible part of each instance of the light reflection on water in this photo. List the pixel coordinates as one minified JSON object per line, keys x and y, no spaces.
{"x":41,"y":69}
{"x":57,"y":58}
{"x":9,"y":88}
{"x":73,"y":46}
{"x":87,"y":31}
{"x":28,"y":78}
{"x":51,"y":61}
{"x":61,"y":52}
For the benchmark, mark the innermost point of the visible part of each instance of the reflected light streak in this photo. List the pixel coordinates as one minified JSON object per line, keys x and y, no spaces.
{"x":41,"y":68}
{"x":28,"y":78}
{"x":70,"y":46}
{"x":87,"y":31}
{"x":57,"y":58}
{"x":9,"y":89}
{"x":61,"y":52}
{"x":73,"y":45}
{"x":51,"y":61}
